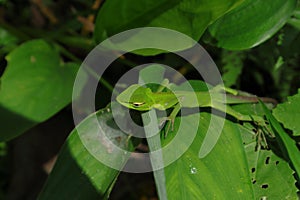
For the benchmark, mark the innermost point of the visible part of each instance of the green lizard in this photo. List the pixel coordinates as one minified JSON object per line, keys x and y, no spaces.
{"x":140,"y":98}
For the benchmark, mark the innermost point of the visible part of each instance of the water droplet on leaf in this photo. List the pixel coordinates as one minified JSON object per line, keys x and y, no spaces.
{"x":193,"y":170}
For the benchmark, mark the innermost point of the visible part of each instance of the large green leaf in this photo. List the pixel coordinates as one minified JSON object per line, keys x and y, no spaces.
{"x":287,"y":145}
{"x":190,"y":17}
{"x":77,"y":173}
{"x":267,"y":170}
{"x":233,"y":170}
{"x":251,"y":23}
{"x":35,"y":85}
{"x":222,"y":174}
{"x":288,"y":113}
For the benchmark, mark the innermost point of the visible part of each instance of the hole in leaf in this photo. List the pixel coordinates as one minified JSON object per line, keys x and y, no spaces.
{"x":267,"y":160}
{"x":277,"y":162}
{"x":253,"y":169}
{"x":264,"y":186}
{"x":254,"y":181}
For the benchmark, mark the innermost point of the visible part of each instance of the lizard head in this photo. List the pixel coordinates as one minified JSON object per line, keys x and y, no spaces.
{"x":136,"y":97}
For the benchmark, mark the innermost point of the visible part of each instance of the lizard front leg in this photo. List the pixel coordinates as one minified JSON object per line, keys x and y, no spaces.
{"x":170,"y":119}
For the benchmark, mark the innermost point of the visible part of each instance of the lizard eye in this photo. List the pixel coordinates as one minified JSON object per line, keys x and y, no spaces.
{"x":138,"y":104}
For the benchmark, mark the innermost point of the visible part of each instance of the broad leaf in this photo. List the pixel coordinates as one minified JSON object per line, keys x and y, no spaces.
{"x":77,"y":173}
{"x":188,"y":16}
{"x":286,"y":143}
{"x":267,"y":170}
{"x":288,"y":113}
{"x":234,"y":169}
{"x":251,"y":23}
{"x":222,"y":174}
{"x":35,"y":85}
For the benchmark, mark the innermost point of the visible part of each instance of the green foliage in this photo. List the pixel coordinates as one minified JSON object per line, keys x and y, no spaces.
{"x":189,"y":16}
{"x":35,"y":86}
{"x":231,"y":170}
{"x":220,"y":178}
{"x":262,"y":163}
{"x":78,"y":168}
{"x":7,"y":41}
{"x":287,"y":145}
{"x":295,"y":19}
{"x":232,"y":67}
{"x":43,"y":43}
{"x":264,"y":18}
{"x":288,"y":114}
